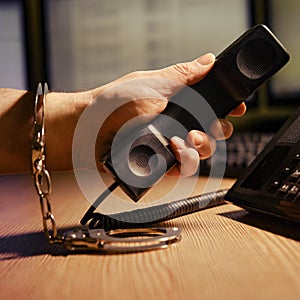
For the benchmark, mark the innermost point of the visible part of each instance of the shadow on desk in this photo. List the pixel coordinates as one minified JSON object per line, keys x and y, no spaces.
{"x":27,"y":245}
{"x":35,"y":244}
{"x":265,"y":222}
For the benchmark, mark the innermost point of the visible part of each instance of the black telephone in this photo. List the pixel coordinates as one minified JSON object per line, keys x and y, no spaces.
{"x":271,"y":184}
{"x":141,"y":158}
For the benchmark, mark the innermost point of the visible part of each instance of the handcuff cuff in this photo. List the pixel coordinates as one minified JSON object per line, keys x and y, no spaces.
{"x":121,"y":240}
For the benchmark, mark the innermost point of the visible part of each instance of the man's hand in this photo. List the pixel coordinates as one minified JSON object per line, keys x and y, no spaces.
{"x":145,"y":93}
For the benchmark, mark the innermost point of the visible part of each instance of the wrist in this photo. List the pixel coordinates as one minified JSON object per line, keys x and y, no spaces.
{"x":62,"y":112}
{"x":16,"y":115}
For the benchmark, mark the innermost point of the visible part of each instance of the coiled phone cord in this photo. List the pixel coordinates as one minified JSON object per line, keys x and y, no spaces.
{"x":149,"y":215}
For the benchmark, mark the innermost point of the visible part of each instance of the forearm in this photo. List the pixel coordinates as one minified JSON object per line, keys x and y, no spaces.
{"x":62,"y":111}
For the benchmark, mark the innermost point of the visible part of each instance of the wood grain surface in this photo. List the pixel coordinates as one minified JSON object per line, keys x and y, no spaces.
{"x":225,"y":252}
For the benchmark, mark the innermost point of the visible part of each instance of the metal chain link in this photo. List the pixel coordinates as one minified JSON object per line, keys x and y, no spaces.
{"x":85,"y":239}
{"x":41,"y":176}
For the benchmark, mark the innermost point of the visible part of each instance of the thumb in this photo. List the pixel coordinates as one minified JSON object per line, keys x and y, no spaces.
{"x":189,"y":73}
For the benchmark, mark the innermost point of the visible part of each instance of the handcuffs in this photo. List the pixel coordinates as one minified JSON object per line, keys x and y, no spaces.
{"x":123,"y":240}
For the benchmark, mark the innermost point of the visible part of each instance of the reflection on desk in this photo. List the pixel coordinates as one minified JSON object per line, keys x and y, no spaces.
{"x":225,"y":252}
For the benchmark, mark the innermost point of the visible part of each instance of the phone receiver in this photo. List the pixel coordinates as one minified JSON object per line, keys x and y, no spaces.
{"x":140,"y":159}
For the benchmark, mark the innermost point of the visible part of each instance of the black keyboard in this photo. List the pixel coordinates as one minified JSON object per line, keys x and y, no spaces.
{"x":239,"y":151}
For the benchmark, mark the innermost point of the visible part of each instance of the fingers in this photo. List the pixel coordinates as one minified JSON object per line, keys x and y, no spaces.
{"x":197,"y":146}
{"x":221,"y":129}
{"x":204,"y":144}
{"x":239,"y":111}
{"x":189,"y":73}
{"x":187,"y":156}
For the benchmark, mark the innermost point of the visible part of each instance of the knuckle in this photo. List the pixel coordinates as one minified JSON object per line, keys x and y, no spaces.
{"x":182,"y":68}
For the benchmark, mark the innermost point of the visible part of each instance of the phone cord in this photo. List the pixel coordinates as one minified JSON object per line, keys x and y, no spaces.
{"x":150,"y":215}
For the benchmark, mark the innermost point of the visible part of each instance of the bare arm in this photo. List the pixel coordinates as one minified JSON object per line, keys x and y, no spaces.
{"x":63,"y":110}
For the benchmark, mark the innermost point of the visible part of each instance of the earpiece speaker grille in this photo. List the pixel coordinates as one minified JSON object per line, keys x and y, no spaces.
{"x":256,"y":58}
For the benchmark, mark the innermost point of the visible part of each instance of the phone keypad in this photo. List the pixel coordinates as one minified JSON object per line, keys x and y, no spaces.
{"x":287,"y":184}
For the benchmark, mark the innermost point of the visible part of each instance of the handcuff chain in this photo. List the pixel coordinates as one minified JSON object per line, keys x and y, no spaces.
{"x":41,"y":176}
{"x":90,"y":239}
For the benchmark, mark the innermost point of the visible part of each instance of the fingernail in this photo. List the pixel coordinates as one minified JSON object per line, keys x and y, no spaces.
{"x":179,"y":143}
{"x":196,"y":139}
{"x":224,"y":124}
{"x":206,"y":59}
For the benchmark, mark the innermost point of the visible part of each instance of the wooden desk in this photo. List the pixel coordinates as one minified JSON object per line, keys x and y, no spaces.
{"x":225,"y":253}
